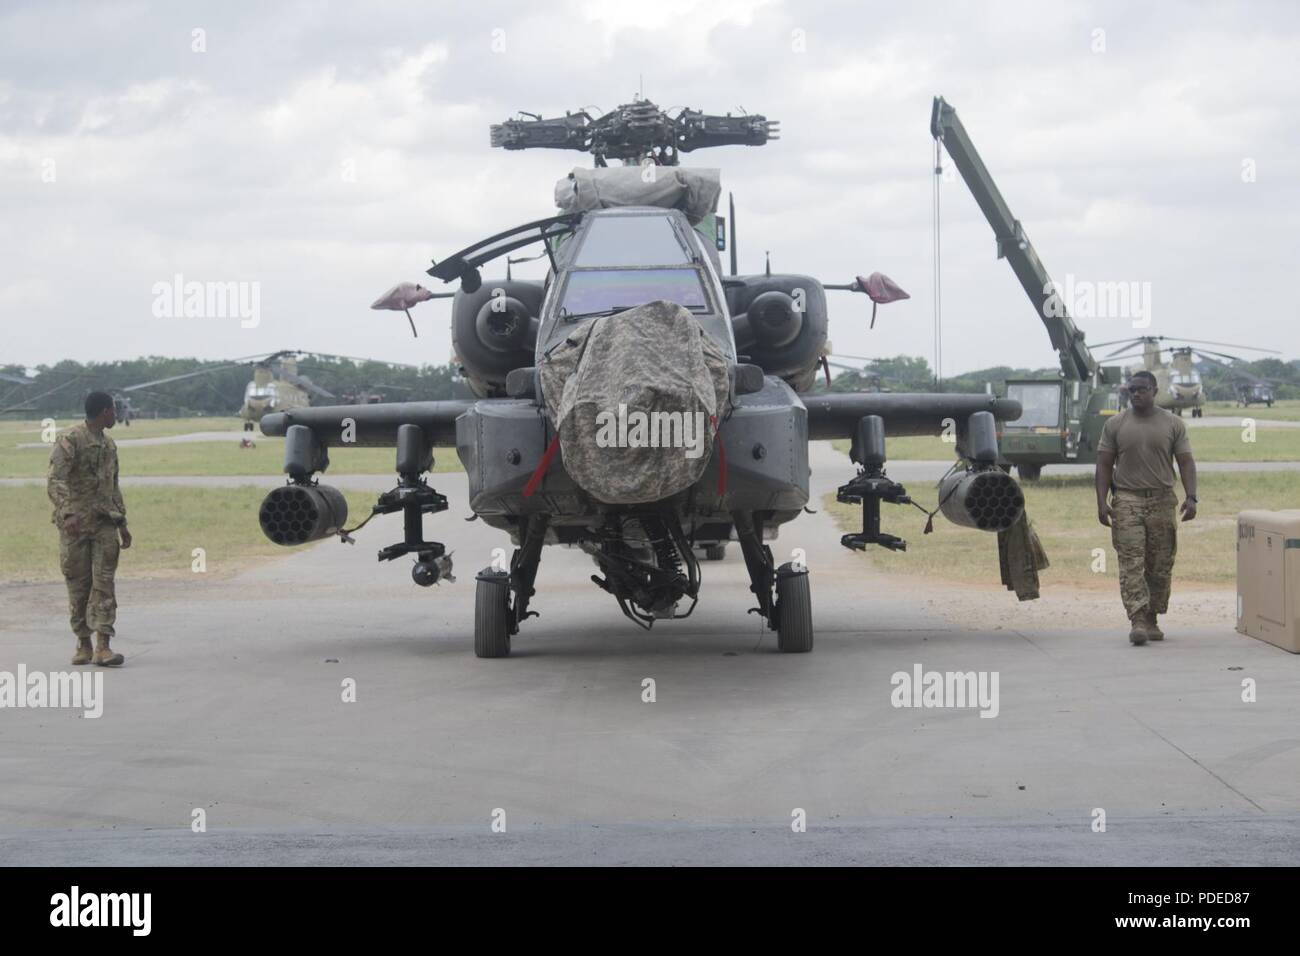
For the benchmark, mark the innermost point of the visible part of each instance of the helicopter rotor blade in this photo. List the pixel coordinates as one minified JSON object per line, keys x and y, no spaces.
{"x":34,"y":398}
{"x":1207,"y":352}
{"x":1124,"y":342}
{"x":1124,"y":353}
{"x":180,"y":378}
{"x":1231,"y":345}
{"x":1238,"y":374}
{"x":356,"y":358}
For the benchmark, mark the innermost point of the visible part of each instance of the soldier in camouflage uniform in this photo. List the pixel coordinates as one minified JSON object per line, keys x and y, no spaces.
{"x":1135,"y":467}
{"x":91,"y":518}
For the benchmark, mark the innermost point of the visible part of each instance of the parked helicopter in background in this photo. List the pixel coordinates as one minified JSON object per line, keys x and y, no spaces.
{"x":370,"y":393}
{"x":20,"y":383}
{"x":1247,"y":387}
{"x":123,"y":410}
{"x":1178,"y":382}
{"x":276,"y":385}
{"x":1252,"y":391}
{"x":122,"y":406}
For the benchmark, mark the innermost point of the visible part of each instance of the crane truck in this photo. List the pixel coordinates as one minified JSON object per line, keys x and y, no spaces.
{"x":1064,"y":414}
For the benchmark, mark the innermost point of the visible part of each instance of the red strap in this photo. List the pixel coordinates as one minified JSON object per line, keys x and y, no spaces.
{"x":722,"y":458}
{"x":542,"y":465}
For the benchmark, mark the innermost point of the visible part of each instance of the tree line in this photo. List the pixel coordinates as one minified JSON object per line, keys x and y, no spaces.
{"x":912,"y":373}
{"x":59,"y":390}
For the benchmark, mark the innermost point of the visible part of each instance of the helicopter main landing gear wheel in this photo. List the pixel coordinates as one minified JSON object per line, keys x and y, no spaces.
{"x":501,"y":597}
{"x":794,"y":630}
{"x":784,"y":600}
{"x":492,"y":614}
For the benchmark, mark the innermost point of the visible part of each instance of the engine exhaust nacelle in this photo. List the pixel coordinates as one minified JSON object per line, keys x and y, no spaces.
{"x":504,"y":324}
{"x":296,"y":514}
{"x":988,"y":500}
{"x":494,"y":331}
{"x":779,"y":321}
{"x":773,"y":320}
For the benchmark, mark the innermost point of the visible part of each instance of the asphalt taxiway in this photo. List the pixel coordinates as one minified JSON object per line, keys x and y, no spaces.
{"x":232,"y":703}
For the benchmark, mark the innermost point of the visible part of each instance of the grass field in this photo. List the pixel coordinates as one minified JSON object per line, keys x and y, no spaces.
{"x":13,"y":431}
{"x":1288,"y":410}
{"x":217,"y":458}
{"x":1208,"y":444}
{"x":167,"y":525}
{"x":1064,"y":513}
{"x":222,"y":458}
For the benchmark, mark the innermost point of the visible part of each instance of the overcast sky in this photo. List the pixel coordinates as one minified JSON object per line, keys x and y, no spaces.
{"x":327,"y":151}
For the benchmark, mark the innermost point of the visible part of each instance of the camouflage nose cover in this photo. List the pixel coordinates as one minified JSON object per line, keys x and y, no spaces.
{"x":634,"y":397}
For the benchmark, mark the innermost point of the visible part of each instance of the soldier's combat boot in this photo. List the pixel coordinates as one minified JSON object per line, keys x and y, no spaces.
{"x":1153,"y":629}
{"x":104,"y":655}
{"x":1138,"y":634}
{"x":83,"y":652}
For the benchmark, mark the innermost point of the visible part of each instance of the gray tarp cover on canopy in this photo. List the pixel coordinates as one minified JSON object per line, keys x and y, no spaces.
{"x":694,"y":191}
{"x":656,"y":360}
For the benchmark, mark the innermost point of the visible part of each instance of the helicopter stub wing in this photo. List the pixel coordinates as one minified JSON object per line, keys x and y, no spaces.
{"x":373,"y":425}
{"x":836,"y":415}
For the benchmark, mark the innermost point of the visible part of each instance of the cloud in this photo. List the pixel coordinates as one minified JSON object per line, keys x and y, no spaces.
{"x":329,"y":152}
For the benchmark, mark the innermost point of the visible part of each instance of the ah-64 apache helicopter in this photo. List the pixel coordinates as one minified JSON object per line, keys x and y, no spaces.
{"x":638,"y":403}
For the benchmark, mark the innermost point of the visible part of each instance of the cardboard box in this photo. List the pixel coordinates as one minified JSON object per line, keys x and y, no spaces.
{"x":1268,"y":577}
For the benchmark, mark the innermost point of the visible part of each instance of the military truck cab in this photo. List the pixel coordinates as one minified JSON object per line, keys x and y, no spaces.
{"x":1062,"y":421}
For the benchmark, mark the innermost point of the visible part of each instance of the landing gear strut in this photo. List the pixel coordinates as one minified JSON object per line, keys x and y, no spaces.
{"x":784,"y":599}
{"x":501,"y":598}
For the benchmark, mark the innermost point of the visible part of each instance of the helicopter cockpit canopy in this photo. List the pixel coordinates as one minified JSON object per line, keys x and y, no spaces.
{"x":600,"y":290}
{"x":624,"y":258}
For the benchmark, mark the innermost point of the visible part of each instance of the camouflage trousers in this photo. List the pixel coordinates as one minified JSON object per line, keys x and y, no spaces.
{"x":89,"y":563}
{"x":1144,"y":532}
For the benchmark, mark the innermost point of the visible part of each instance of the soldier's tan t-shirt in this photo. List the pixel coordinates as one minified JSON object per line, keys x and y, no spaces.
{"x":1144,"y":446}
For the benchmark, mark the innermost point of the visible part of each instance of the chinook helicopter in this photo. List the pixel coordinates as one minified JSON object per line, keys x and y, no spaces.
{"x":276,"y":385}
{"x":1178,"y":383}
{"x":639,"y":403}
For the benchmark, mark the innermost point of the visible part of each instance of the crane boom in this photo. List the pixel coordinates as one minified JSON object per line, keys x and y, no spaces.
{"x":1077,"y":362}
